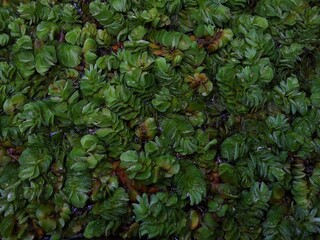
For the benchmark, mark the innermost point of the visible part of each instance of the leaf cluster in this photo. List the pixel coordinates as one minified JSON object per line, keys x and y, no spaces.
{"x":180,"y":119}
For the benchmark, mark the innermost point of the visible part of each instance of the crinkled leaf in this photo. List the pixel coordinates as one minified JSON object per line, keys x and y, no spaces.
{"x":69,"y":55}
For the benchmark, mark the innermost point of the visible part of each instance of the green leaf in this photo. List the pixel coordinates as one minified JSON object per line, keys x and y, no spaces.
{"x":119,"y":5}
{"x":73,"y":36}
{"x":228,"y":174}
{"x":95,"y":228}
{"x":4,"y":39}
{"x":89,"y":142}
{"x":186,"y":146}
{"x":23,"y":43}
{"x":150,"y":147}
{"x":7,"y":226}
{"x":233,"y":147}
{"x":33,"y":161}
{"x":260,"y":192}
{"x":48,"y":224}
{"x":115,"y":207}
{"x":191,"y":184}
{"x":47,"y":30}
{"x":159,"y":216}
{"x":45,"y":59}
{"x":77,"y":188}
{"x":69,"y":55}
{"x":129,"y":156}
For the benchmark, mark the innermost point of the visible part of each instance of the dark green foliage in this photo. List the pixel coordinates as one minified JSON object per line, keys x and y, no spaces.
{"x":108,"y":214}
{"x":190,"y":184}
{"x":180,"y":119}
{"x":161,"y":215}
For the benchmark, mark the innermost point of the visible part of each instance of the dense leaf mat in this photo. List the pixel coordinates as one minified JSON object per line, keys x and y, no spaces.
{"x":165,"y":119}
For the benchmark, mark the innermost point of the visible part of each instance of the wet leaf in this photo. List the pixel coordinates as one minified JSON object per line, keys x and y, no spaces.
{"x":69,"y":55}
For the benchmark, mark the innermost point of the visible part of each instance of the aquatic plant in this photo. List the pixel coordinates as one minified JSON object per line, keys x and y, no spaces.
{"x":140,"y":119}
